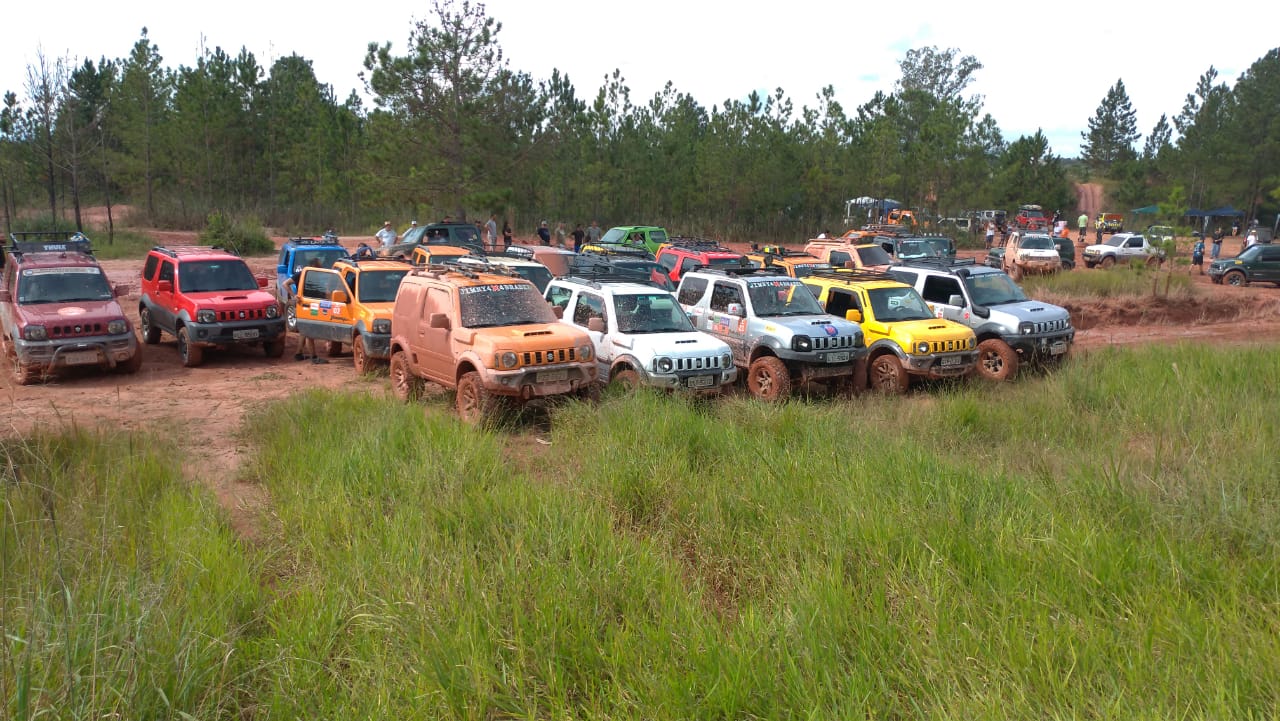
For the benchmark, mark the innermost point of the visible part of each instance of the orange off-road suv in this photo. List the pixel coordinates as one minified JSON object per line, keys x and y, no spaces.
{"x":489,"y":335}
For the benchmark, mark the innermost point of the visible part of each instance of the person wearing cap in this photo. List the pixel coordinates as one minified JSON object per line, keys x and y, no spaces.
{"x":387,"y":235}
{"x":544,"y":233}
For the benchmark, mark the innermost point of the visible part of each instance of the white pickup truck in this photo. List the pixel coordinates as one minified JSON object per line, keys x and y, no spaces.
{"x":1123,"y":248}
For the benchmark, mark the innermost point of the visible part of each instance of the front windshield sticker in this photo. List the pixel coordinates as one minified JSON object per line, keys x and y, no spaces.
{"x":61,"y":271}
{"x":492,"y":288}
{"x":772,"y":283}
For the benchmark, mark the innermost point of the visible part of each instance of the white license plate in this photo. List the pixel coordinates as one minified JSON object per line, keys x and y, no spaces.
{"x":841,"y":357}
{"x":553,"y":376}
{"x":80,"y":358}
{"x":245,"y":334}
{"x":1058,"y":347}
{"x":702,"y":381}
{"x":950,"y":360}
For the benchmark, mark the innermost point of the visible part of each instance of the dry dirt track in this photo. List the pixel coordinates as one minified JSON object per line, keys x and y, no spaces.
{"x":209,"y":402}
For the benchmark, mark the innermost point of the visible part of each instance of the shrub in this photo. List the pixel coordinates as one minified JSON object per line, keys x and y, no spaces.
{"x":245,"y":237}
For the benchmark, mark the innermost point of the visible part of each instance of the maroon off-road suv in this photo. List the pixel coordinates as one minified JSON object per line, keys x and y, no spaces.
{"x":58,"y":311}
{"x":207,"y":297}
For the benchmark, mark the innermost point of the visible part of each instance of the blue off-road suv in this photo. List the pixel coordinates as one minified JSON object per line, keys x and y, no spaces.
{"x":296,"y":254}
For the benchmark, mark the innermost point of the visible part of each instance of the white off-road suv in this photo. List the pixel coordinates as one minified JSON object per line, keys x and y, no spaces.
{"x":642,"y":335}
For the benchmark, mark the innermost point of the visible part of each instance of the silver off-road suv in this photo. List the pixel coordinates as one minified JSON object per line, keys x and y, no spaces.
{"x":776,"y":330}
{"x":1011,"y":329}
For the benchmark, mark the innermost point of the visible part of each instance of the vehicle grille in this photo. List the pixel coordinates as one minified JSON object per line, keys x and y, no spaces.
{"x":76,"y":330}
{"x":697,"y":364}
{"x":539,"y":357}
{"x":832,"y":342}
{"x":949,"y":346}
{"x":1052,"y":326}
{"x":245,"y":314}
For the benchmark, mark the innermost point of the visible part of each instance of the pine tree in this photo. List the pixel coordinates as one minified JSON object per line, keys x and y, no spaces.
{"x":1113,"y":130}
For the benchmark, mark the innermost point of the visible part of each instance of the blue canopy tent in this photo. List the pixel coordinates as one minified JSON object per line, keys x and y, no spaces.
{"x":1196,"y":213}
{"x":1146,"y":210}
{"x":1225,"y":211}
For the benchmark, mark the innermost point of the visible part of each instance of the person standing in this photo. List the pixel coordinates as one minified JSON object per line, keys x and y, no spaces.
{"x":1251,"y":239}
{"x":491,"y":230}
{"x":1197,"y":256}
{"x":386,"y":236}
{"x":578,"y":235}
{"x":991,"y":233}
{"x":1083,"y":222}
{"x":1216,"y":250}
{"x":304,"y":341}
{"x":560,"y":235}
{"x":544,"y":233}
{"x":593,"y":233}
{"x":506,"y":234}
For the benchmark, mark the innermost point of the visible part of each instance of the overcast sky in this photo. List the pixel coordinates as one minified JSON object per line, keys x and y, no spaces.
{"x":1042,"y":69}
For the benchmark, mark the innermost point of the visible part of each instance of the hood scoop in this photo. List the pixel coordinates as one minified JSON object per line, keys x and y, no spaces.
{"x":819,"y":322}
{"x":691,"y":340}
{"x":536,"y":332}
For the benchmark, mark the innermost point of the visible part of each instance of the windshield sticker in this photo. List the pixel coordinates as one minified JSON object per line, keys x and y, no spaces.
{"x":772,"y":283}
{"x":88,"y":270}
{"x":496,"y":288}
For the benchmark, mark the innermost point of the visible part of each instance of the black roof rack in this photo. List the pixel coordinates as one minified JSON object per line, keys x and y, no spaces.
{"x":943,"y":263}
{"x":320,"y":240}
{"x":173,"y":251}
{"x":375,"y":259}
{"x":622,"y":249}
{"x":735,"y":272}
{"x":49,"y":242}
{"x":703,"y":244}
{"x":853,"y":274}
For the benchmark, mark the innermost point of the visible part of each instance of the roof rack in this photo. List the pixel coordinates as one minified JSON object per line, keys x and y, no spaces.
{"x":49,"y":242}
{"x":853,"y":274}
{"x":317,"y":240}
{"x":943,"y":263}
{"x":375,"y":259}
{"x":173,"y":251}
{"x":778,"y":251}
{"x":703,"y":244}
{"x":735,"y":272}
{"x":616,"y":249}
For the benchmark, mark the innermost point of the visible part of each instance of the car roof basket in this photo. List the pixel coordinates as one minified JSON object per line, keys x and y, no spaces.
{"x":853,"y":275}
{"x":742,"y":271}
{"x":49,"y":242}
{"x":944,"y":263}
{"x":173,"y":251}
{"x":700,"y":244}
{"x":318,"y":240}
{"x":616,"y":249}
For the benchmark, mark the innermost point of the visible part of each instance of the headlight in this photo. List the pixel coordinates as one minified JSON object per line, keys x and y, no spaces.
{"x":857,"y":340}
{"x":116,"y":327}
{"x":585,"y":352}
{"x":1025,"y":327}
{"x":922,"y":347}
{"x":973,"y":342}
{"x":383,"y":326}
{"x":506,"y":361}
{"x":206,"y":316}
{"x":662,"y":364}
{"x":35,"y":332}
{"x":726,"y":360}
{"x":273,"y":311}
{"x":801,"y":343}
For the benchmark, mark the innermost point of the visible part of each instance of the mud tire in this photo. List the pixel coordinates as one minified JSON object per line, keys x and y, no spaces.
{"x":888,"y":376}
{"x":150,"y":331}
{"x":191,"y":354}
{"x":769,"y":380}
{"x":996,"y":360}
{"x":404,"y":384}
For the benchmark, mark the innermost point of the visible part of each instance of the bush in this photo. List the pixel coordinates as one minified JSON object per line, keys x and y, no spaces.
{"x":245,"y":237}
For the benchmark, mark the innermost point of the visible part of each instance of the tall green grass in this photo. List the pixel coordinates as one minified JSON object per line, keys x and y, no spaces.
{"x":1126,"y":280}
{"x":1099,"y":542}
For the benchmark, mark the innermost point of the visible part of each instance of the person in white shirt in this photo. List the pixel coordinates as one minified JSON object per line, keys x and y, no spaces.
{"x":387,"y":235}
{"x":491,"y":230}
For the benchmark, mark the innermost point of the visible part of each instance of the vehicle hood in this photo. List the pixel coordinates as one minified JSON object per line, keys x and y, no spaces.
{"x":814,"y":325}
{"x":687,"y":343}
{"x":1034,"y":311}
{"x":929,"y":329}
{"x":534,"y":336}
{"x":77,"y":313}
{"x":236,"y":298}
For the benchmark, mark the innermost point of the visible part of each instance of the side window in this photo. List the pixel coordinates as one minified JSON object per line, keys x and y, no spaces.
{"x":689,"y":264}
{"x":838,"y":258}
{"x":817,"y":292}
{"x":435,"y":300}
{"x":691,"y":290}
{"x":589,"y":306}
{"x":840,"y":301}
{"x":349,"y":277}
{"x":723,"y":294}
{"x":668,"y":261}
{"x":1134,"y":242}
{"x":166,"y":271}
{"x":149,"y":270}
{"x":939,"y":289}
{"x":320,"y":283}
{"x":559,"y":296}
{"x":1270,"y":255}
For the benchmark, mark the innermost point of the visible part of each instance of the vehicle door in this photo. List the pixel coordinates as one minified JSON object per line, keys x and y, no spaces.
{"x":669,"y":261}
{"x":166,"y":315}
{"x":946,"y":297}
{"x":434,"y":346}
{"x":729,"y":327}
{"x":1133,"y":248}
{"x":584,"y":309}
{"x":323,"y":306}
{"x":1268,"y":264}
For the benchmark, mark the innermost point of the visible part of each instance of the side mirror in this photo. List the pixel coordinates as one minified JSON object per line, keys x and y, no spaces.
{"x":557,"y":311}
{"x":120,"y":290}
{"x":595,"y":325}
{"x":853,"y":315}
{"x":6,"y":296}
{"x":262,"y":281}
{"x":956,"y":300}
{"x":737,"y":309}
{"x":164,"y":286}
{"x":339,"y":296}
{"x":439,"y":320}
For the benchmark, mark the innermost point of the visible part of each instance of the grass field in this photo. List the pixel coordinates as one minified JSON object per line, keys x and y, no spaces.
{"x":1100,"y":543}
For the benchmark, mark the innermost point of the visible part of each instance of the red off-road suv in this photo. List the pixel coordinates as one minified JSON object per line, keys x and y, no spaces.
{"x":207,"y":297}
{"x":58,"y":311}
{"x":682,"y":255}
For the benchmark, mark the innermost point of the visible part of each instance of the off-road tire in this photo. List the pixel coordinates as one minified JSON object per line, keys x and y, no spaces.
{"x":996,"y":360}
{"x":192,"y":355}
{"x":404,"y":384}
{"x":768,"y":379}
{"x":150,"y":331}
{"x":476,"y":406}
{"x":1108,"y":261}
{"x":23,"y":374}
{"x":273,"y":348}
{"x":626,"y":379}
{"x":133,"y":365}
{"x":291,"y":318}
{"x":359,"y":358}
{"x":1235,"y":278}
{"x":888,"y":376}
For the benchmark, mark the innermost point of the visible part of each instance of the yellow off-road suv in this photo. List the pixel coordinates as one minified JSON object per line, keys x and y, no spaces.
{"x":428,"y":254}
{"x":904,"y":338}
{"x":350,"y":304}
{"x":489,"y":335}
{"x":792,"y":263}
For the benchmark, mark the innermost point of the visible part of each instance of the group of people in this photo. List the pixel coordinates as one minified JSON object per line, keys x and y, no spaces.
{"x":580,"y":236}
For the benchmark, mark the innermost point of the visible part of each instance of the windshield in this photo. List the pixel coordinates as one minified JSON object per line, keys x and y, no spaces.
{"x":1037,"y":242}
{"x":914,"y":249}
{"x":466,"y":234}
{"x":874,"y":255}
{"x":993,"y":289}
{"x":614,"y":235}
{"x":942,"y":246}
{"x":488,"y":306}
{"x":538,"y":275}
{"x":380,"y":286}
{"x":1115,"y":241}
{"x":62,"y":285}
{"x":896,"y":304}
{"x":203,"y":276}
{"x":650,"y":313}
{"x":780,"y":297}
{"x":327,"y":257}
{"x":736,"y":261}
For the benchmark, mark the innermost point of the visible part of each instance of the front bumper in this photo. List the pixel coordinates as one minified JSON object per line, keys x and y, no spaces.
{"x":539,"y":381}
{"x":239,"y":331}
{"x":102,"y":350}
{"x":942,"y":365}
{"x":376,"y":345}
{"x":691,"y":380}
{"x":1041,"y":346}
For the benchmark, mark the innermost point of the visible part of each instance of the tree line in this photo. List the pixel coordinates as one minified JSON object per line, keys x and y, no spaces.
{"x":453,"y":129}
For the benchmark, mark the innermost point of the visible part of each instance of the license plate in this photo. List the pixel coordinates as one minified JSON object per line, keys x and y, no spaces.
{"x":841,"y":357}
{"x":951,"y":360}
{"x":80,"y":358}
{"x":553,"y":376}
{"x":702,"y":381}
{"x":1058,"y":347}
{"x":245,"y":334}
